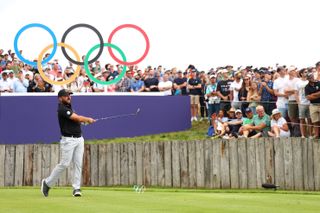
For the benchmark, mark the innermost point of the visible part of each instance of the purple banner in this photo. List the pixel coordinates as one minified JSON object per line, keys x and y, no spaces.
{"x":33,"y":119}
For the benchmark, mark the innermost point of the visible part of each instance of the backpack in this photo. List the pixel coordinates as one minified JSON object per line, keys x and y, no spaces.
{"x":210,"y":132}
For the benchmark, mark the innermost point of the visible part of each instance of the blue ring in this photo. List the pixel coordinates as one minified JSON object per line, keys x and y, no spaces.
{"x":16,"y":49}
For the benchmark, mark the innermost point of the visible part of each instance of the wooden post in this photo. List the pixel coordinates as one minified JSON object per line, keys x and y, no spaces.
{"x":160,"y":164}
{"x":279,"y":162}
{"x":37,"y":155}
{"x":260,"y":161}
{"x":102,"y":162}
{"x":139,"y":160}
{"x":234,"y":167}
{"x":28,"y":165}
{"x":269,"y":150}
{"x":297,"y":163}
{"x":192,"y":164}
{"x":2,"y":162}
{"x":243,"y":164}
{"x":154,"y":161}
{"x":288,"y":164}
{"x":146,"y":164}
{"x":175,"y":164}
{"x":225,"y":164}
{"x":124,"y":166}
{"x":109,"y":164}
{"x":132,"y":164}
{"x":200,"y":163}
{"x":252,"y":166}
{"x":183,"y":157}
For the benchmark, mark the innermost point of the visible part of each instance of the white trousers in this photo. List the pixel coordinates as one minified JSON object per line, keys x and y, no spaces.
{"x":71,"y":150}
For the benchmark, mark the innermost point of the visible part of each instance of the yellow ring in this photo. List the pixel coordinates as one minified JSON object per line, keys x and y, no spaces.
{"x":71,"y":79}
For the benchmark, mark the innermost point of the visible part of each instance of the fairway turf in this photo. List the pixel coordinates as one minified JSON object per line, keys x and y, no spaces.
{"x":95,"y":200}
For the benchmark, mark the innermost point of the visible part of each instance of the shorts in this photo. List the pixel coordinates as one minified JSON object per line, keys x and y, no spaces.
{"x":315,"y":113}
{"x":195,"y":99}
{"x":292,"y":109}
{"x":304,"y":111}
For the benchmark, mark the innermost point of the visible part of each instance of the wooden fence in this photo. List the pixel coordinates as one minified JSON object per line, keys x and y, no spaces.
{"x":292,"y":163}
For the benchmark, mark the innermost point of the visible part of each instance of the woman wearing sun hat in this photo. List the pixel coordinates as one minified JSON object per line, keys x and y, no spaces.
{"x":279,"y":126}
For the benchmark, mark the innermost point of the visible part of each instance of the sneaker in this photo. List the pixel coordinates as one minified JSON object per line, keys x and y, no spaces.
{"x":76,"y":193}
{"x":201,"y":119}
{"x":44,"y":188}
{"x":195,"y":119}
{"x":191,"y":119}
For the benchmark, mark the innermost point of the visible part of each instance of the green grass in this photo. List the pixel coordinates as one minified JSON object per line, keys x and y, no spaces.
{"x":197,"y":132}
{"x":96,"y":200}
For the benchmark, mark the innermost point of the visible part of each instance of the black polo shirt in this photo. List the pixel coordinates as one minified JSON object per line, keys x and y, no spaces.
{"x":180,"y":81}
{"x":68,"y":127}
{"x":310,"y":89}
{"x":194,"y":82}
{"x":152,"y":82}
{"x":224,"y":87}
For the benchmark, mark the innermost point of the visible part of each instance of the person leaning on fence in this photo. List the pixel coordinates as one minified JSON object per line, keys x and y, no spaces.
{"x":279,"y":126}
{"x":312,"y":92}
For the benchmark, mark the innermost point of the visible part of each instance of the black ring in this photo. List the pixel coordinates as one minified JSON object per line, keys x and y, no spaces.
{"x":87,"y":26}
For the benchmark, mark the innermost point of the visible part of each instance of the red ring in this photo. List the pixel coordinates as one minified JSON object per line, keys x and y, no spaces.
{"x":145,"y":37}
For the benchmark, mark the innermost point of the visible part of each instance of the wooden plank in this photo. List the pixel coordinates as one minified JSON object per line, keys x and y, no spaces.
{"x":297,"y":162}
{"x":161,"y":162}
{"x":216,"y":158}
{"x":102,"y":161}
{"x":45,"y":160}
{"x":124,"y":166}
{"x":175,"y":164}
{"x":116,"y":163}
{"x":146,"y":164}
{"x":310,"y":165}
{"x":183,"y":157}
{"x":139,"y":162}
{"x":279,"y":162}
{"x":208,"y":154}
{"x":252,"y":167}
{"x":86,"y":170}
{"x":167,"y":164}
{"x":192,"y":164}
{"x":109,"y":164}
{"x":28,"y":165}
{"x":154,"y":161}
{"x":234,"y":167}
{"x":224,"y":166}
{"x":288,"y":164}
{"x":200,"y":163}
{"x":2,"y":162}
{"x":269,"y":161}
{"x":94,"y":164}
{"x":37,"y":164}
{"x":260,"y":162}
{"x":316,"y":160}
{"x":9,"y":165}
{"x":132,"y":164}
{"x":243,"y":164}
{"x":18,"y":170}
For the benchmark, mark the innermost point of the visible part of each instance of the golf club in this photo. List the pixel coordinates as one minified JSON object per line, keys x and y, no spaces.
{"x":119,"y":116}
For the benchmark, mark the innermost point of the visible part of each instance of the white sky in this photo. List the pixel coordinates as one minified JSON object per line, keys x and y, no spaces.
{"x":206,"y":33}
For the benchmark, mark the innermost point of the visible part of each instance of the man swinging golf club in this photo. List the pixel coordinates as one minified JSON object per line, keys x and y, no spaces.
{"x":71,"y":144}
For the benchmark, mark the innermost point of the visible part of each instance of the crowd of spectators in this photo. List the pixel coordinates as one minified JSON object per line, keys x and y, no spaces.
{"x":277,"y":101}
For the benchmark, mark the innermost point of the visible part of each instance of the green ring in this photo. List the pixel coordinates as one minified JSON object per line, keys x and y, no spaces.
{"x":86,"y":66}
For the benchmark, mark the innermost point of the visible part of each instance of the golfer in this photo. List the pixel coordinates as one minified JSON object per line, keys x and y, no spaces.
{"x":71,"y":144}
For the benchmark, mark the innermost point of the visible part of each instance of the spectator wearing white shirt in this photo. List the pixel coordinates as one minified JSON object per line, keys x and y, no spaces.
{"x":293,"y":111}
{"x":279,"y":126}
{"x":279,"y":91}
{"x":11,"y":77}
{"x":5,"y":84}
{"x":303,"y":103}
{"x":165,"y":85}
{"x":235,"y":87}
{"x":21,"y":84}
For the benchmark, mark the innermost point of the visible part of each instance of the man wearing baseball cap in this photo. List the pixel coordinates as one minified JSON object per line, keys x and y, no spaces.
{"x":71,"y":144}
{"x":312,"y":92}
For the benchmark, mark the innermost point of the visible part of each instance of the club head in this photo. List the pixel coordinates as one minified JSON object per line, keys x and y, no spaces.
{"x":138,"y":110}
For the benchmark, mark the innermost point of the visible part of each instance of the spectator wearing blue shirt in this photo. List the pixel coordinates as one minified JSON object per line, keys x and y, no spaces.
{"x":137,"y":85}
{"x":21,"y":84}
{"x":266,"y":92}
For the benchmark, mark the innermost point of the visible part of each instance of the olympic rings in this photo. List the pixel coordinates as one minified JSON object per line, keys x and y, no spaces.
{"x":145,"y":37}
{"x":16,"y":49}
{"x":71,"y":79}
{"x":101,"y":45}
{"x":77,"y":26}
{"x":86,"y":63}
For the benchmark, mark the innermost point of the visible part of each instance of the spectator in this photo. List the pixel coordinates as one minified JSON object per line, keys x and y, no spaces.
{"x":137,"y":85}
{"x":233,"y":126}
{"x":261,"y":124}
{"x":245,"y":130}
{"x":124,"y":84}
{"x":253,"y":96}
{"x":98,"y":87}
{"x":243,"y":93}
{"x":151,"y":83}
{"x":218,"y":123}
{"x":110,"y":87}
{"x":223,"y":91}
{"x":21,"y":84}
{"x":303,"y":103}
{"x":266,"y":92}
{"x":235,"y":87}
{"x":312,"y":92}
{"x":279,"y":126}
{"x":194,"y":87}
{"x":180,"y":84}
{"x":211,"y":95}
{"x":279,"y":87}
{"x":5,"y":84}
{"x":292,"y":102}
{"x":165,"y":85}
